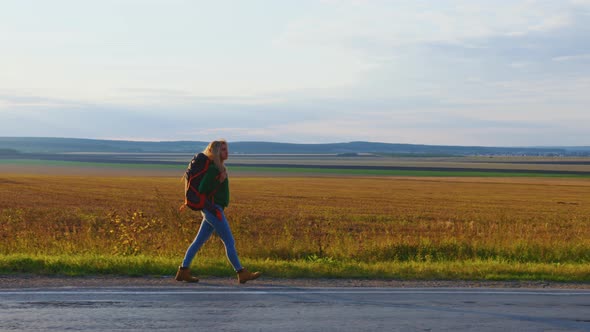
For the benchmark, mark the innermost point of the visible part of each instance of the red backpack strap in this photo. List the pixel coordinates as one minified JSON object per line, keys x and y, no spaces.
{"x":188,"y":184}
{"x":205,"y":168}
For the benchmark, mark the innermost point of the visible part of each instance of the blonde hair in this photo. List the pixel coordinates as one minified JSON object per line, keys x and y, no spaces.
{"x":213,"y":151}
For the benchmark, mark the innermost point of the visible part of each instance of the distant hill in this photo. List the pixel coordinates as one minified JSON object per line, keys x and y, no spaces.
{"x":12,"y":145}
{"x":63,"y":145}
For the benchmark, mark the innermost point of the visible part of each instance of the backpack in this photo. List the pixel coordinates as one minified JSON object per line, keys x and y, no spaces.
{"x":193,"y":176}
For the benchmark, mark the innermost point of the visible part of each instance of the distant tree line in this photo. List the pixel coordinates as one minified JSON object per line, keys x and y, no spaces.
{"x":14,"y":145}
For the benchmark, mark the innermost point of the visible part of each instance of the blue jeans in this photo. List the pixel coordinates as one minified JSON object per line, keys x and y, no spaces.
{"x":209,"y":224}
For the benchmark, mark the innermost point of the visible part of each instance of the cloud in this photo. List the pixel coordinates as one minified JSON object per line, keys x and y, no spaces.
{"x":408,"y":22}
{"x":17,"y":100}
{"x":577,"y":57}
{"x":391,"y":71}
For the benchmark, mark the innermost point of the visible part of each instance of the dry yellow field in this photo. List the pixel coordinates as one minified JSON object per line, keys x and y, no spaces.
{"x":342,"y":218}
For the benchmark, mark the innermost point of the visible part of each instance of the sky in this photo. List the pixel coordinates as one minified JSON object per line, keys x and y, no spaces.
{"x":444,"y":72}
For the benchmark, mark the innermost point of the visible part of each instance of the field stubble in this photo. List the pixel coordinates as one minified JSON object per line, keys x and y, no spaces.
{"x":328,"y":221}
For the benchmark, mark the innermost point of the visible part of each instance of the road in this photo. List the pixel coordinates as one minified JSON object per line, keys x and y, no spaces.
{"x":268,"y":308}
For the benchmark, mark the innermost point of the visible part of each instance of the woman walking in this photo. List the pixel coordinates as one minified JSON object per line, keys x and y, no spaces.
{"x":215,"y":183}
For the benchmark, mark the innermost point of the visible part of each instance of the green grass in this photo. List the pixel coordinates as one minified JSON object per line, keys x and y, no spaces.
{"x":403,"y":172}
{"x":303,"y":227}
{"x":299,"y":170}
{"x":303,"y":268}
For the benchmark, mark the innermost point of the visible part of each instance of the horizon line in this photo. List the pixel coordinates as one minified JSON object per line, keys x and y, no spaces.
{"x":276,"y":142}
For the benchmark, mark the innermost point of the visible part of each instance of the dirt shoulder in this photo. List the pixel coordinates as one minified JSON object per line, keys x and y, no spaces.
{"x":35,"y":281}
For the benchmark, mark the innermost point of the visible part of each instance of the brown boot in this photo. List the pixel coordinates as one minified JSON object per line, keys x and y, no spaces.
{"x":244,"y":275}
{"x":184,"y":274}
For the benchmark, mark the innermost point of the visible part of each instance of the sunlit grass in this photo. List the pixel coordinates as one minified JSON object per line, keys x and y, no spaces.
{"x":303,"y":227}
{"x":141,"y":265}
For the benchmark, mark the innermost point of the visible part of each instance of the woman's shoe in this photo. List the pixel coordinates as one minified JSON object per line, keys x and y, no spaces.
{"x":244,"y":275}
{"x":184,"y":274}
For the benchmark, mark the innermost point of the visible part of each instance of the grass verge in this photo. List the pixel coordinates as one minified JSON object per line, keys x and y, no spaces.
{"x":307,"y":268}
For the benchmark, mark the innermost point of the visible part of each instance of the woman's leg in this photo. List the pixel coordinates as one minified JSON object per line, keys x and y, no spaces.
{"x":203,"y":235}
{"x":224,"y":232}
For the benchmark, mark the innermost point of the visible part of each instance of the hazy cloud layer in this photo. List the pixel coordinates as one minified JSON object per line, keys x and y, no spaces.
{"x":446,"y":72}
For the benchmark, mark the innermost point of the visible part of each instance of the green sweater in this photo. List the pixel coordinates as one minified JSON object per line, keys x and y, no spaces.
{"x":209,"y":183}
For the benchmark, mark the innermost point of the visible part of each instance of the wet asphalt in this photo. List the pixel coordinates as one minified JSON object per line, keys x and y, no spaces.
{"x":242,"y":308}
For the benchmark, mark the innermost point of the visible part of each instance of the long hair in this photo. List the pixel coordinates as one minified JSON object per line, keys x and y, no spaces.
{"x":213,"y":151}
